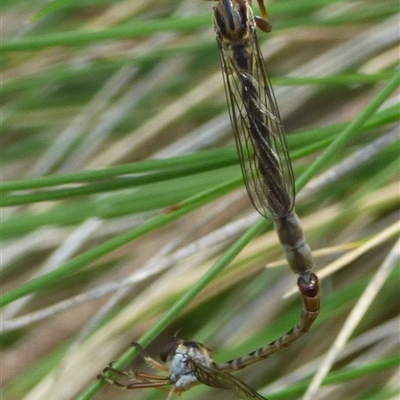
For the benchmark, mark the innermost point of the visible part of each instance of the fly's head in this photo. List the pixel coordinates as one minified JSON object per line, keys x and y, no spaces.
{"x":168,"y":351}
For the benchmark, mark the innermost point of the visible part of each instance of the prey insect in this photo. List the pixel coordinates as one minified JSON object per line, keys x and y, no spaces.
{"x":190,"y":365}
{"x":263,"y":154}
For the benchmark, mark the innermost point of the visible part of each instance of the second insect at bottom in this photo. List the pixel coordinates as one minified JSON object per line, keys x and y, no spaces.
{"x":190,"y":365}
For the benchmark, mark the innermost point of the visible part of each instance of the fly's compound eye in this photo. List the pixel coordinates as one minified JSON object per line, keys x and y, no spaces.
{"x":168,"y":350}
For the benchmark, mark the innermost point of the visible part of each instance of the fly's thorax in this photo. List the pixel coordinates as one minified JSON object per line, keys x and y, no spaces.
{"x":234,"y":21}
{"x":180,"y":374}
{"x":180,"y":371}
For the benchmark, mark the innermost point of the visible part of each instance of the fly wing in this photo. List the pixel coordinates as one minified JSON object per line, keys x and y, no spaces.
{"x":222,"y":380}
{"x":244,"y":391}
{"x":260,"y":140}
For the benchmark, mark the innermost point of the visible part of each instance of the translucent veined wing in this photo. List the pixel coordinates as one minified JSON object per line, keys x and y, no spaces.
{"x":222,"y":380}
{"x":260,"y":140}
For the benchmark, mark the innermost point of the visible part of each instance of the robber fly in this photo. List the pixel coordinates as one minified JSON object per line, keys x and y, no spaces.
{"x":263,"y":154}
{"x":190,"y":365}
